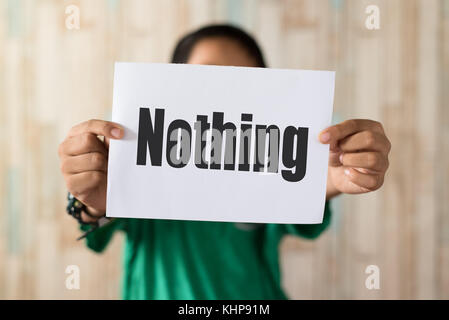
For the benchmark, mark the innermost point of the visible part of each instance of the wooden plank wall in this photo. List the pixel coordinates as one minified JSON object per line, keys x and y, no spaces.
{"x":52,"y":77}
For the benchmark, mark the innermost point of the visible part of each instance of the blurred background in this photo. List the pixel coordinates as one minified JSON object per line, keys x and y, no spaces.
{"x":53,"y":76}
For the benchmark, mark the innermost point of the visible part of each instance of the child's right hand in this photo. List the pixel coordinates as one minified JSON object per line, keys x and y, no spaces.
{"x":84,"y":163}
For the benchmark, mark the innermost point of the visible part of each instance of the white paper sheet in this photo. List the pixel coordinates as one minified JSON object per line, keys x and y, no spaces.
{"x":284,"y":98}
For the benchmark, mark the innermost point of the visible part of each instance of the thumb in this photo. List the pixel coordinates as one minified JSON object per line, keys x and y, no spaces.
{"x":106,"y":142}
{"x":334,"y":159}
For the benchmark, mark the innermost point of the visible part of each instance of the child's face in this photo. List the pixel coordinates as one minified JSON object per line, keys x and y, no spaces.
{"x":220,"y":51}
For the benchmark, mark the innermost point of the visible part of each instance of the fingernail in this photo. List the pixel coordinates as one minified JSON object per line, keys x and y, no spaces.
{"x":325,"y":137}
{"x":347,"y":172}
{"x":116,"y":132}
{"x":341,"y":158}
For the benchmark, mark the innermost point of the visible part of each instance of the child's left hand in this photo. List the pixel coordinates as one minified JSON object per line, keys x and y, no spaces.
{"x":358,"y":156}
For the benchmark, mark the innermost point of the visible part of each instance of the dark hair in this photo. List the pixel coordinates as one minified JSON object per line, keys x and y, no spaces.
{"x":185,"y":45}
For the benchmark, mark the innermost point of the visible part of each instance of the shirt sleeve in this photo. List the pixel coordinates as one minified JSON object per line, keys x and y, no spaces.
{"x":98,"y":239}
{"x":310,"y":231}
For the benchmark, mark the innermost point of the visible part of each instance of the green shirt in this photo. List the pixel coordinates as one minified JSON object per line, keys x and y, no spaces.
{"x":171,"y":259}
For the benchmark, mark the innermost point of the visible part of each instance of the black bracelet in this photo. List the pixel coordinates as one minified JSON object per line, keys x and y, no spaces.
{"x":75,"y":208}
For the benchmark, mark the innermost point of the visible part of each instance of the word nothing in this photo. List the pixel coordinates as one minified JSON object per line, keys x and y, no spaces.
{"x":220,"y":135}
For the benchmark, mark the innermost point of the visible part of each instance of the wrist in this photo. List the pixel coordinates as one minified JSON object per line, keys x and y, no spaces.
{"x":96,"y":213}
{"x":91,"y":215}
{"x":82,"y":213}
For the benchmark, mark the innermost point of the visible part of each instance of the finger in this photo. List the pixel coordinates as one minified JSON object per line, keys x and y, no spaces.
{"x":334,"y":159}
{"x":94,"y":161}
{"x":106,"y":142}
{"x":81,"y":184}
{"x":81,"y":144}
{"x":366,"y":140}
{"x":340,"y":131}
{"x":366,"y":160}
{"x":369,"y":182}
{"x":98,"y":127}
